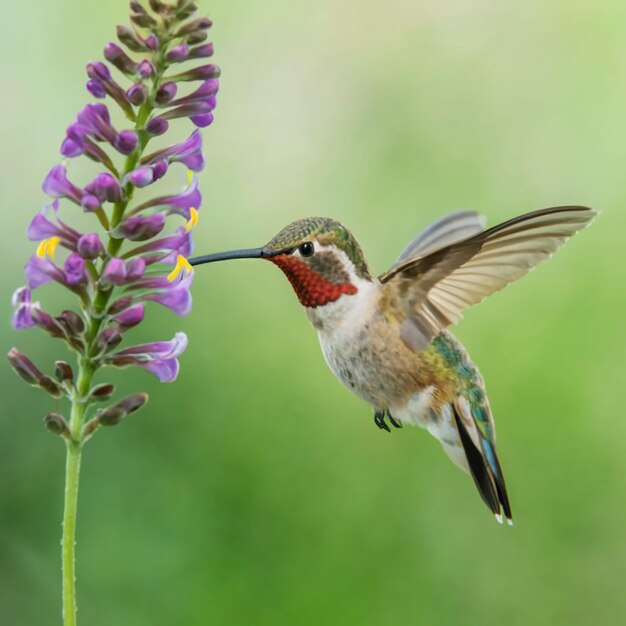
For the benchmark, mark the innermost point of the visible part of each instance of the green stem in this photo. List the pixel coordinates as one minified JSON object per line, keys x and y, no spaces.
{"x":72,"y":471}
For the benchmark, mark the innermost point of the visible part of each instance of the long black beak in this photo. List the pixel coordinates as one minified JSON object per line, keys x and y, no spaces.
{"x":250,"y":253}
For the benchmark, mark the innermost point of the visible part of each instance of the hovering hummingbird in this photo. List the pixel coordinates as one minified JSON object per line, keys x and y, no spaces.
{"x":385,"y":337}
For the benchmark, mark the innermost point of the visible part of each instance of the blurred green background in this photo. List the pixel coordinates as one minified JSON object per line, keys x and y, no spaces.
{"x":255,"y":489}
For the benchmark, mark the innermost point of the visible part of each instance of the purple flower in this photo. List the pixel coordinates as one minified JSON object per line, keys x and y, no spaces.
{"x":23,"y":305}
{"x":188,"y":152}
{"x":178,"y":204}
{"x":57,"y":185}
{"x":159,"y":357}
{"x":126,"y":256}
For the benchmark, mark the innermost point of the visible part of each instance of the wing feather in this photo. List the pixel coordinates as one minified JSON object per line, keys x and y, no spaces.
{"x":437,"y":286}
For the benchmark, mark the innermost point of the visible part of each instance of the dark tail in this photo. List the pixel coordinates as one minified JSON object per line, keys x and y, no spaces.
{"x":486,"y":472}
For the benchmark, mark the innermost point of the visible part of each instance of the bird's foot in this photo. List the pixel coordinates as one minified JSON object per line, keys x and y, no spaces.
{"x":393,"y":422}
{"x":379,"y":420}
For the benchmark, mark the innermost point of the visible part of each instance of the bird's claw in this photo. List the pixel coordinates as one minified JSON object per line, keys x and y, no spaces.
{"x":379,"y":420}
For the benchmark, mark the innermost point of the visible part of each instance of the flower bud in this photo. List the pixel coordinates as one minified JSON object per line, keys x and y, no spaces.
{"x":140,"y":227}
{"x":178,"y":53}
{"x":54,"y":389}
{"x":107,"y":340}
{"x":200,"y":52}
{"x":159,"y":7}
{"x":56,"y":424}
{"x":24,"y":367}
{"x":198,"y":37}
{"x":63,"y":372}
{"x":157,"y":126}
{"x":137,"y":94}
{"x":101,"y":393}
{"x":202,"y":72}
{"x":152,"y":42}
{"x":203,"y":23}
{"x":166,"y":92}
{"x":96,"y":88}
{"x":126,"y":142}
{"x":131,"y":39}
{"x":117,"y":412}
{"x":145,"y":69}
{"x":72,"y":323}
{"x":116,"y":56}
{"x":89,"y":246}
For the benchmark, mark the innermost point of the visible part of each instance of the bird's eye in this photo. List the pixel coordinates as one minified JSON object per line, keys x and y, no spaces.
{"x":306,"y":249}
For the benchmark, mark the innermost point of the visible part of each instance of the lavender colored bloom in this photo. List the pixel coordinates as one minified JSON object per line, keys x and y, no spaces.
{"x":188,"y":152}
{"x":175,"y":296}
{"x":57,"y":185}
{"x":152,"y":42}
{"x":23,"y":304}
{"x":203,"y":120}
{"x":178,"y":204}
{"x":141,"y":176}
{"x":41,"y":271}
{"x":126,"y":142}
{"x":159,"y":357}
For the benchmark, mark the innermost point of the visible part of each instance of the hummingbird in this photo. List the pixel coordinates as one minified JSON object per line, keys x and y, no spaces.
{"x":386,"y":337}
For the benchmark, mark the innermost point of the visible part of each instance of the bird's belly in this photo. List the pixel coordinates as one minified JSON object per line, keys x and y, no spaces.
{"x":373,"y":365}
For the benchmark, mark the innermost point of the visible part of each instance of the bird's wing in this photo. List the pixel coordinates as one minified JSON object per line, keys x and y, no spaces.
{"x":434,"y":288}
{"x":455,"y":226}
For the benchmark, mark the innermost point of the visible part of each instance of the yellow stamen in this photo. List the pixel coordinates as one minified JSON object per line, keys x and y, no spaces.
{"x":189,"y":177}
{"x":193,"y":219}
{"x":182,"y":265}
{"x":47,"y":247}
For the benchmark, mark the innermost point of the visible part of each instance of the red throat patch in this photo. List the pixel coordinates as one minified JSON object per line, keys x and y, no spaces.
{"x":311,"y":288}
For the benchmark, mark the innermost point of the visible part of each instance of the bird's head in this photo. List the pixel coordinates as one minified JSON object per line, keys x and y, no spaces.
{"x":320,"y":257}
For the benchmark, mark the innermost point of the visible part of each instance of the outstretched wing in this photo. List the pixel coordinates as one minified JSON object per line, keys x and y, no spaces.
{"x":448,"y":229}
{"x":434,"y":288}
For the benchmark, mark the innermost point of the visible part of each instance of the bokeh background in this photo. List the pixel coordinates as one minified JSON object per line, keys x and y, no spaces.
{"x":255,"y":489}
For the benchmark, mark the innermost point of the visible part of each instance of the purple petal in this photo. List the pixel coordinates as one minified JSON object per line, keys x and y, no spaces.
{"x":41,"y":227}
{"x":188,"y":152}
{"x":178,"y":53}
{"x":202,"y":121}
{"x":41,"y":271}
{"x":22,"y":303}
{"x":156,"y":350}
{"x":166,"y":371}
{"x":57,"y":185}
{"x":181,"y":203}
{"x":90,"y":203}
{"x":135,"y":269}
{"x":97,"y":69}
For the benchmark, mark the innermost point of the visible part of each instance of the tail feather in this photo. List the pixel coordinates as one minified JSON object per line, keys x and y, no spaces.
{"x":485,"y":470}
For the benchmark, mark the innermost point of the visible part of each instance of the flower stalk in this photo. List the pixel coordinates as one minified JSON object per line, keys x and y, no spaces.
{"x":112,"y":275}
